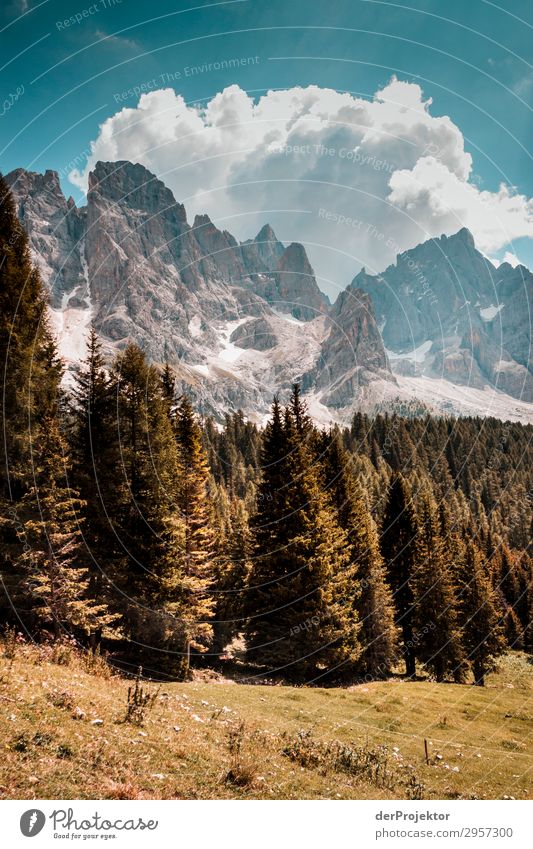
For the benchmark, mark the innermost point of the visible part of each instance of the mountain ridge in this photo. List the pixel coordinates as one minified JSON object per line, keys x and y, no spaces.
{"x":240,"y":321}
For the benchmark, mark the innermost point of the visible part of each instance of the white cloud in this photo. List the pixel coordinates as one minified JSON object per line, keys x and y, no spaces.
{"x":356,"y":181}
{"x":511,"y":258}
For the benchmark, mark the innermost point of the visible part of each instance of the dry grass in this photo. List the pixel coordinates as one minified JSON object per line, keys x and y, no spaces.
{"x":63,"y":736}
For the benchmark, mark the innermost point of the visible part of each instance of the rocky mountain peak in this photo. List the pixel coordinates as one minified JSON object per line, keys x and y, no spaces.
{"x":261,"y":255}
{"x":266,"y":234}
{"x":34,"y":182}
{"x":296,"y":288}
{"x":352,"y":354}
{"x":465,"y":236}
{"x":445,"y":311}
{"x":132,"y":185}
{"x":55,"y":228}
{"x":294,"y":258}
{"x":240,"y":321}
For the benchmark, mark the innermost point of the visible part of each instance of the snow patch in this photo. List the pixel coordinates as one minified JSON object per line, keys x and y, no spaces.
{"x":417,"y":355}
{"x":318,"y":411}
{"x":195,"y":326}
{"x":287,"y":316}
{"x":488,"y":313}
{"x":202,"y":369}
{"x":71,"y":325}
{"x":230,"y":352}
{"x":451,"y":399}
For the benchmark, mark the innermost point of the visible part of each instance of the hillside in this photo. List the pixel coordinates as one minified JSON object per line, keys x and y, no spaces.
{"x":64,"y":736}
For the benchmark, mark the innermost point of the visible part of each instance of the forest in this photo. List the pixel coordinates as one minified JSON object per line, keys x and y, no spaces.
{"x":137,"y":528}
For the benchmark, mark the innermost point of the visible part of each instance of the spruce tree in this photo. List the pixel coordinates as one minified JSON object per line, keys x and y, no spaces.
{"x":365,"y":576}
{"x":301,"y":622}
{"x":436,"y":628}
{"x":164,"y":605}
{"x":232,"y":566}
{"x":30,"y":368}
{"x":96,"y":463}
{"x":483,"y":637}
{"x":55,"y":562}
{"x":399,"y":548}
{"x":194,"y":508}
{"x":31,"y":375}
{"x":168,"y":384}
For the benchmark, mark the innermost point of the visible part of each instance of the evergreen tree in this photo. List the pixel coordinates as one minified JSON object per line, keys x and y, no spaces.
{"x":30,"y":368}
{"x":300,"y":620}
{"x":365,"y":576}
{"x":55,"y":561}
{"x":232,"y":566}
{"x":199,"y":540}
{"x":168,"y":384}
{"x":96,"y":463}
{"x":298,"y":410}
{"x":436,"y":629}
{"x":482,"y":633}
{"x":31,"y":374}
{"x":399,"y":548}
{"x":163,"y":605}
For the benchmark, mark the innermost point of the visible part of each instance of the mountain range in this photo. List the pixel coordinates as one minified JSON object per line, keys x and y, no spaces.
{"x":241,"y":321}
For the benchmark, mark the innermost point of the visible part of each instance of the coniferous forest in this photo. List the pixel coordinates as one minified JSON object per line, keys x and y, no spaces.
{"x":128,"y":523}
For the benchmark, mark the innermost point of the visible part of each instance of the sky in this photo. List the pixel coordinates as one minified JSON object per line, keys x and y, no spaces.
{"x":359,"y":128}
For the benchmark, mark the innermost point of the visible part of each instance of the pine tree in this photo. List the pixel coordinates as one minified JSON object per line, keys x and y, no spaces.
{"x":31,"y":374}
{"x":436,"y":629}
{"x":168,"y":384}
{"x":30,"y":369}
{"x":55,"y":562}
{"x":300,"y":621}
{"x":399,"y":549}
{"x":199,"y":540}
{"x":300,"y":417}
{"x":482,"y":633}
{"x":96,"y":462}
{"x":163,"y":605}
{"x":232,"y":566}
{"x":365,"y":576}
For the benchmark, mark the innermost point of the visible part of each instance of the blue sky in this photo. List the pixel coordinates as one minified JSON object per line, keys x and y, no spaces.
{"x":62,"y":78}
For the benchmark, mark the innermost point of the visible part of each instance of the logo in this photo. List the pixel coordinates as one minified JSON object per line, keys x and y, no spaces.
{"x":32,"y":822}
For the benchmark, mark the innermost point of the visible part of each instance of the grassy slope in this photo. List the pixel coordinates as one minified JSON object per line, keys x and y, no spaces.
{"x":183,"y":748}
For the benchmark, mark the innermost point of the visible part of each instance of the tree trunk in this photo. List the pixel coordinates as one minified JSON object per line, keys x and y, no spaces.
{"x":410,"y":662}
{"x":479,"y":673}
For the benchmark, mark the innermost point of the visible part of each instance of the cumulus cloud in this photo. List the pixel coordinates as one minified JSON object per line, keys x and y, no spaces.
{"x":511,"y":258}
{"x":357,"y":181}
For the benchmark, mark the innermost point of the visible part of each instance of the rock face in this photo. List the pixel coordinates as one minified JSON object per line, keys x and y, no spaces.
{"x":56,"y":229}
{"x":240,"y":322}
{"x":352,"y":353}
{"x":257,"y":334}
{"x":446,"y":310}
{"x":296,"y":290}
{"x":261,"y":255}
{"x":154,"y":278}
{"x":283,"y":276}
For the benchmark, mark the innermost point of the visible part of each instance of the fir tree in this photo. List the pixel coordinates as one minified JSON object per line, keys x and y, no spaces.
{"x":194,"y":508}
{"x":482,"y":633}
{"x":436,"y":629}
{"x":162,"y":604}
{"x":55,"y":562}
{"x":31,"y":374}
{"x":300,"y":621}
{"x":399,"y":549}
{"x":365,"y":578}
{"x":168,"y":384}
{"x":232,"y":566}
{"x":96,"y":461}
